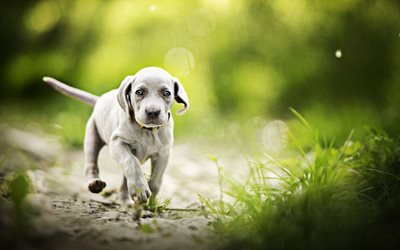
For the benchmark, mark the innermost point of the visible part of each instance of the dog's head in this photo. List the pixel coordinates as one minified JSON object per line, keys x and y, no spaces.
{"x":147,"y":96}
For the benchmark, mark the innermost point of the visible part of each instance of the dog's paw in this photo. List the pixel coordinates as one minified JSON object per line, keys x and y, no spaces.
{"x":139,"y":190}
{"x":125,"y":198}
{"x":96,"y":185}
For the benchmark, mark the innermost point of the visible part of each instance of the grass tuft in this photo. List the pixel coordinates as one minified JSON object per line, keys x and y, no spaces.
{"x":318,"y":197}
{"x":156,"y":205}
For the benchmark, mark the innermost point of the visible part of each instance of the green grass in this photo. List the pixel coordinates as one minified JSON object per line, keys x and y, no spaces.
{"x":319,"y":196}
{"x":156,"y":205}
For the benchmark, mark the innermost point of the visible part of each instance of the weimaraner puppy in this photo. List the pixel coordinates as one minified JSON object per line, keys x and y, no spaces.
{"x":136,"y":123}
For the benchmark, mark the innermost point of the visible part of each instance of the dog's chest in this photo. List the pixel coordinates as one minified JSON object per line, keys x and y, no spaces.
{"x":151,"y":144}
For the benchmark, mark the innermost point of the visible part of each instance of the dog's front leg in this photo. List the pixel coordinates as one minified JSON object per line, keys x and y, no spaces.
{"x":137,"y":184}
{"x":158,"y":166}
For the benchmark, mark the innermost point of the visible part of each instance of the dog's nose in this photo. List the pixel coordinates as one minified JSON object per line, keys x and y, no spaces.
{"x":153,"y":113}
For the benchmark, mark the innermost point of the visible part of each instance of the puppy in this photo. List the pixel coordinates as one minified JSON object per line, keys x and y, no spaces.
{"x":136,"y":123}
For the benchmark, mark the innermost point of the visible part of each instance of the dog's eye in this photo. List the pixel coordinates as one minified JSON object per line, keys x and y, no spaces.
{"x":166,"y":93}
{"x":139,"y":92}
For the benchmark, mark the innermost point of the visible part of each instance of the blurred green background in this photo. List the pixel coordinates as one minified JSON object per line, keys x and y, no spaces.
{"x":243,"y":63}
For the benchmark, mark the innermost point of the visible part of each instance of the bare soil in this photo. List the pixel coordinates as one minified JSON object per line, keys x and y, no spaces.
{"x":63,"y":214}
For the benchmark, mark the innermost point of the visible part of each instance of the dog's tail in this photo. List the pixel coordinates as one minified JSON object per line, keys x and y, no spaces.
{"x":70,"y":91}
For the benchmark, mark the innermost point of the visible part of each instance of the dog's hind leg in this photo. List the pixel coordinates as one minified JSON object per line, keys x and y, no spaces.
{"x":92,"y":147}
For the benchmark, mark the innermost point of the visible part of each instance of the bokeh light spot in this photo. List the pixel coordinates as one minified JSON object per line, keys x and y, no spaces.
{"x":44,"y":16}
{"x":179,"y":61}
{"x":338,"y":53}
{"x":274,"y":135}
{"x":153,"y":7}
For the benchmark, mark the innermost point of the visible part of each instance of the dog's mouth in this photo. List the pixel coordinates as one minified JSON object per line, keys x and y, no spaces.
{"x":150,"y":125}
{"x":153,"y":123}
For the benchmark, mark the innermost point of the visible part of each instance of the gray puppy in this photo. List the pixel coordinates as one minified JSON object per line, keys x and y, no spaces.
{"x":136,"y":123}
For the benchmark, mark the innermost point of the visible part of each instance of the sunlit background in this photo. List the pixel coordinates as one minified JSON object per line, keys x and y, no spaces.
{"x":243,"y":63}
{"x":291,"y":140}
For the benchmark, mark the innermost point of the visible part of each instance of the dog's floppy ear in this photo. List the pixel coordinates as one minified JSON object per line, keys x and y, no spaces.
{"x":180,"y":96}
{"x":124,"y":98}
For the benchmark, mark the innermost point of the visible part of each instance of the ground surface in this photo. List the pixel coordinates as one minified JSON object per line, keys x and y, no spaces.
{"x":68,"y":216}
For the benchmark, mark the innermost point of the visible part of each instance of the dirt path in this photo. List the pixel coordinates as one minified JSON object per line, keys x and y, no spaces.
{"x":69,"y":216}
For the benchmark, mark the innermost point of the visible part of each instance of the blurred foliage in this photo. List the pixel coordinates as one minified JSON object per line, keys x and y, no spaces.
{"x":336,"y":62}
{"x":19,"y":188}
{"x":329,"y":198}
